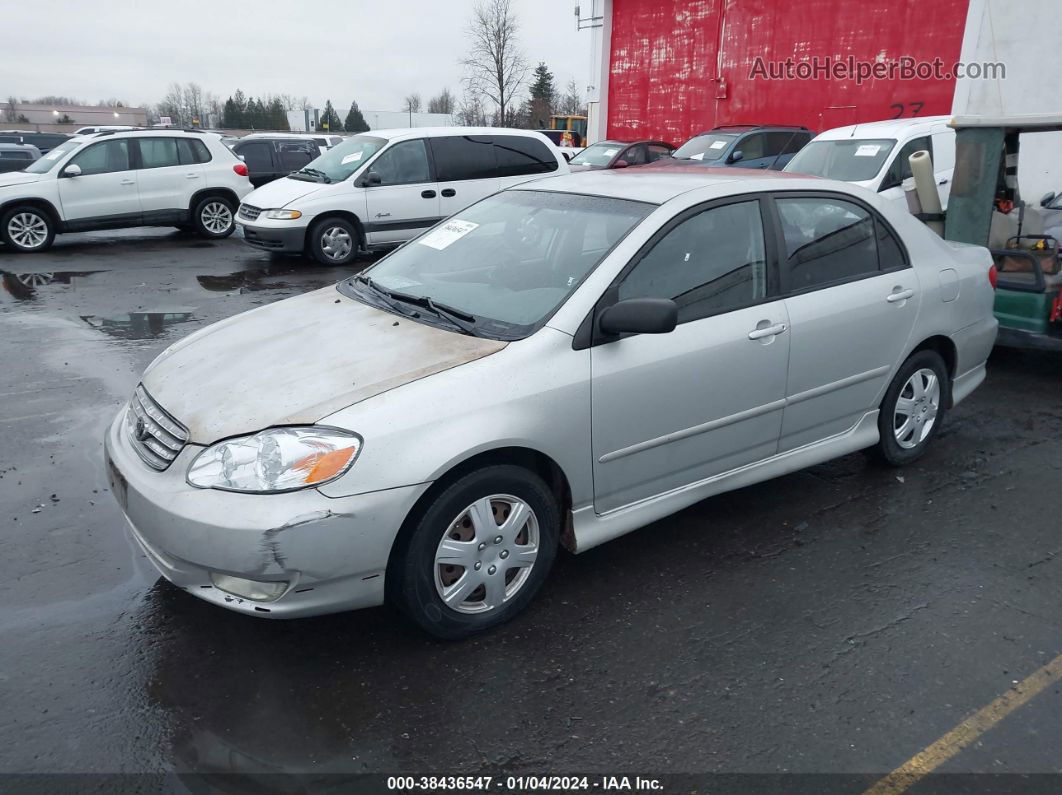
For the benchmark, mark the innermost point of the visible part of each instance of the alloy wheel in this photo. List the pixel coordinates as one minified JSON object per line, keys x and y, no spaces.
{"x":916,"y":408}
{"x":336,"y":242}
{"x":486,"y":554}
{"x":216,"y":217}
{"x":27,"y":230}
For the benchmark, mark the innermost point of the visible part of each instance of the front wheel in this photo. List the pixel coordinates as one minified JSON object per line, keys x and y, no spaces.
{"x":334,"y":241}
{"x":478,"y":553}
{"x":27,"y":229}
{"x":913,"y":409}
{"x":214,"y":217}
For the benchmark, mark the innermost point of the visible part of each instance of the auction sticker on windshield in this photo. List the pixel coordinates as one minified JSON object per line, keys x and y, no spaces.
{"x":867,"y":150}
{"x":445,"y":234}
{"x":353,"y":157}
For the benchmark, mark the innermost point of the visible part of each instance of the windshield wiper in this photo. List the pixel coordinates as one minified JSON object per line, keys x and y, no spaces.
{"x":384,"y":296}
{"x":462,"y":320}
{"x":313,"y":172}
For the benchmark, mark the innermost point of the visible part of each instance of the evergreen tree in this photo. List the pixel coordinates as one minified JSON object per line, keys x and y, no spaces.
{"x":543,"y":97}
{"x":330,"y":119}
{"x":240,"y":103}
{"x":230,"y":117}
{"x":278,"y":117}
{"x":355,"y":122}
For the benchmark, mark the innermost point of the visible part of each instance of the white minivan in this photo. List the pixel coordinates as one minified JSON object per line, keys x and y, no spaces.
{"x":875,"y":155}
{"x":379,"y":189}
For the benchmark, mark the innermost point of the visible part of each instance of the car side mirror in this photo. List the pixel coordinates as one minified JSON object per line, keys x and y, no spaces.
{"x":1047,"y":199}
{"x":371,"y":180}
{"x":620,"y":164}
{"x":736,"y":156}
{"x":639,"y":316}
{"x":73,"y":170}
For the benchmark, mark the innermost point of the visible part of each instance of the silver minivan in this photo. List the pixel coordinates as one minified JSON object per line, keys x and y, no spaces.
{"x":556,"y":365}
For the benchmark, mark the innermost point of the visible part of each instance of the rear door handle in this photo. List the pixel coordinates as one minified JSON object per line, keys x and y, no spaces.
{"x":191,"y":176}
{"x":901,"y":295}
{"x":769,"y":331}
{"x":128,"y":182}
{"x":943,"y":181}
{"x":427,"y":194}
{"x":449,"y":193}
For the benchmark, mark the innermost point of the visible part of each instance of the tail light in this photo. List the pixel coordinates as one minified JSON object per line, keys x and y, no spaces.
{"x":1056,"y":308}
{"x":241,"y":169}
{"x":993,"y":276}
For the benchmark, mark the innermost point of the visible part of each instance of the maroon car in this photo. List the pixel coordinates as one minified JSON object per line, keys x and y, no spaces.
{"x":620,"y":154}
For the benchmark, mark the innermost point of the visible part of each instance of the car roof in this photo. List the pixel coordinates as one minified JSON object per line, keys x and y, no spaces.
{"x":658,"y":185}
{"x":891,"y":128}
{"x":433,"y":132}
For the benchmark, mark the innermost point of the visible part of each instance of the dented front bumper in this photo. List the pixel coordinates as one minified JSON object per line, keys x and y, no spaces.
{"x":332,"y":553}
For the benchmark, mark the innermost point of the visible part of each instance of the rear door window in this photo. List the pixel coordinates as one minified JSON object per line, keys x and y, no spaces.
{"x":463,"y":157}
{"x":519,"y":155}
{"x":258,"y":155}
{"x":158,"y":152}
{"x":827,"y":241}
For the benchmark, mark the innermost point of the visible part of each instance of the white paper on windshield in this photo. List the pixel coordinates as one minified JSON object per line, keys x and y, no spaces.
{"x":610,"y":152}
{"x":445,"y":234}
{"x":867,"y":150}
{"x":717,"y":144}
{"x":351,"y":158}
{"x":698,"y":156}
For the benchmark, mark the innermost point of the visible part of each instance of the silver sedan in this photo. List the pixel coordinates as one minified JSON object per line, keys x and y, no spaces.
{"x":559,"y":364}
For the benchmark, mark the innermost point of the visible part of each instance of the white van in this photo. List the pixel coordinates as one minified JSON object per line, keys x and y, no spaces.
{"x":382,"y":188}
{"x":875,"y":155}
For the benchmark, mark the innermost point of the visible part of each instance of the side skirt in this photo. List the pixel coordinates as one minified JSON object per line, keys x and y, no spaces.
{"x":591,"y":529}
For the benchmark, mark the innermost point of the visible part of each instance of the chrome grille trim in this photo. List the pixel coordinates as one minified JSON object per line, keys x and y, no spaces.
{"x":250,"y":212}
{"x":164,"y":436}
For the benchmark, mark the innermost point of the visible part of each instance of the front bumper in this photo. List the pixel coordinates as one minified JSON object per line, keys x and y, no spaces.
{"x":271,"y":238}
{"x":332,"y":552}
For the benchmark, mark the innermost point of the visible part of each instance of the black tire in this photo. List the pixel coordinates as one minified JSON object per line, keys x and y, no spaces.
{"x":24,"y":223}
{"x":209,"y":215}
{"x":411,"y":577}
{"x":890,"y":449}
{"x":334,"y":241}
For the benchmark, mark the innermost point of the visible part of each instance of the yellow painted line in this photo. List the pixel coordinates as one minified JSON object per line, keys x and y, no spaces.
{"x":967,"y":732}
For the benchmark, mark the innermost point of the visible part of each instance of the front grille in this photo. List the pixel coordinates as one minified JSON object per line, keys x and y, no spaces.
{"x":156,"y":436}
{"x":250,"y":212}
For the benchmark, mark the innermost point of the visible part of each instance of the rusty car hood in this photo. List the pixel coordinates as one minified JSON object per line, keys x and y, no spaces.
{"x":296,"y":361}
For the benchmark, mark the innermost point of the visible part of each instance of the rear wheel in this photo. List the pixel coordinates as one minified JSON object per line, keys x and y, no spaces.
{"x":214,"y":217}
{"x":334,"y":241}
{"x":913,"y":409}
{"x":27,"y":229}
{"x":478,"y":553}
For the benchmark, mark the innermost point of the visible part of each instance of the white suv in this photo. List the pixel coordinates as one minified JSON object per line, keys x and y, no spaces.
{"x":117,"y":179}
{"x":379,"y":189}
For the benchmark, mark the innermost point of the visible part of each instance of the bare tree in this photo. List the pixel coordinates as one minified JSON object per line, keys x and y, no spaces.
{"x":495,"y":67}
{"x":412,"y":103}
{"x":10,"y":112}
{"x":571,"y":103}
{"x":193,"y":104}
{"x":443,"y":102}
{"x":172,"y":105}
{"x":470,"y":112}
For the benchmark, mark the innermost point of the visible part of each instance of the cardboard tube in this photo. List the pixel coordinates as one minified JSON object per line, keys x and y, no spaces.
{"x":926,"y":187}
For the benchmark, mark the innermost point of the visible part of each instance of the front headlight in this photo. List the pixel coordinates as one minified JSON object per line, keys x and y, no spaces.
{"x":283,"y":215}
{"x":278,"y":459}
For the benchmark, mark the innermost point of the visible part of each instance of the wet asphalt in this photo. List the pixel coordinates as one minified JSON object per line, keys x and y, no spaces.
{"x":837,"y":620}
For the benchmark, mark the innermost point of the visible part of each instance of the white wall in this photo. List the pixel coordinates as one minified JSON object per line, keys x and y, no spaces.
{"x":1025,"y":37}
{"x":390,"y":120}
{"x":600,"y":60}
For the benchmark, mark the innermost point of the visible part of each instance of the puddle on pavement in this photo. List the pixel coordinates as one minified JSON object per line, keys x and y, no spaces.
{"x":24,"y":286}
{"x":138,"y":325}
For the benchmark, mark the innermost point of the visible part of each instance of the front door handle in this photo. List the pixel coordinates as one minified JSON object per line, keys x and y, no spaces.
{"x":427,"y":194}
{"x":449,"y":193}
{"x":899,"y":295}
{"x":128,"y":182}
{"x":768,"y":331}
{"x":943,"y":181}
{"x":191,"y":176}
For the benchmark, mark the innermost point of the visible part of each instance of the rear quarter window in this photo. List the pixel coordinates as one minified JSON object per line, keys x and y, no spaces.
{"x":520,"y":155}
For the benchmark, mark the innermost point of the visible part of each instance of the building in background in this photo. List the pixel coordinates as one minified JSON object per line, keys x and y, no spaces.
{"x":310,"y":119}
{"x":61,"y":117}
{"x":671,"y":68}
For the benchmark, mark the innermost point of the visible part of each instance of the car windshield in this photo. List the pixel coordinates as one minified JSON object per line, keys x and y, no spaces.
{"x":47,"y":163}
{"x":597,"y":155}
{"x":342,"y":160}
{"x":709,"y":146}
{"x":848,"y":159}
{"x":503,"y":265}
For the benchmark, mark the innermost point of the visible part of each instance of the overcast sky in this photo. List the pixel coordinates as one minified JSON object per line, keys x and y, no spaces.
{"x":375,"y":52}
